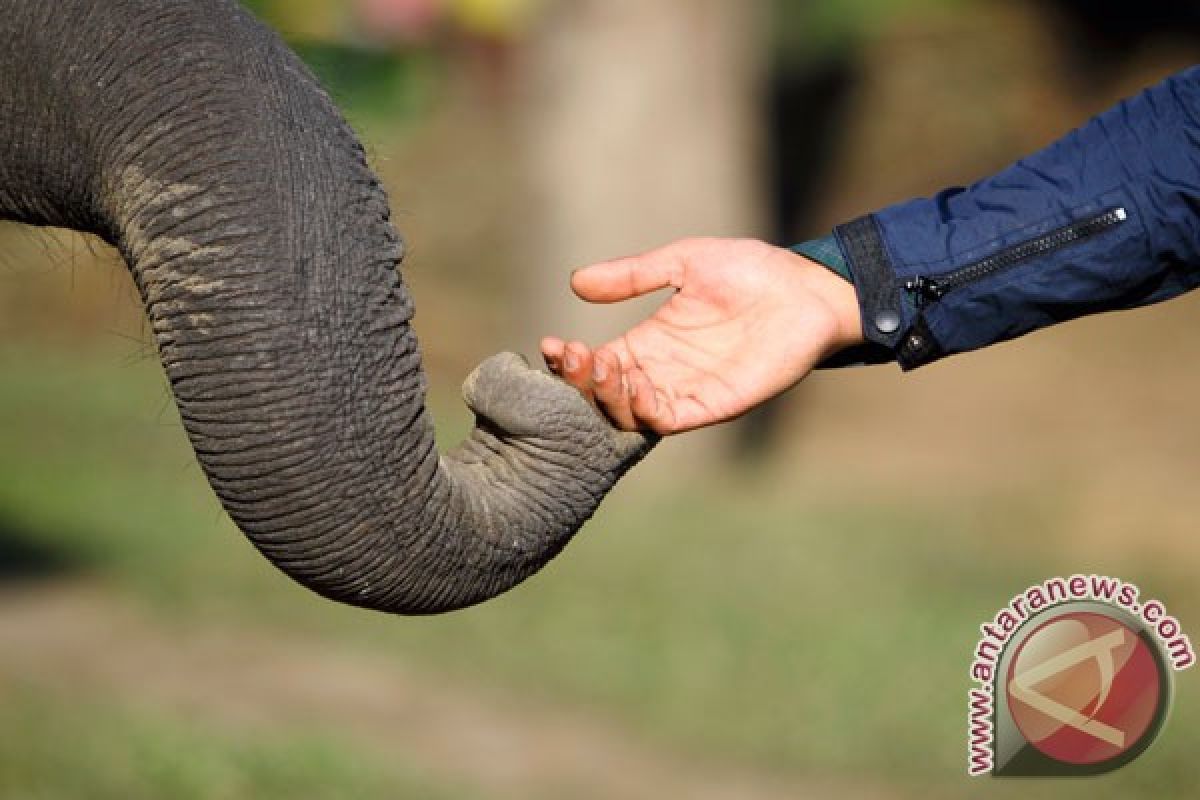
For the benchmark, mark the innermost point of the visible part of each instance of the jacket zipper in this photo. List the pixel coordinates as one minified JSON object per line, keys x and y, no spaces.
{"x":925,"y":288}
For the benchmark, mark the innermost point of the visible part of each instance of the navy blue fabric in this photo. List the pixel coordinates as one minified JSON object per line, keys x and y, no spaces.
{"x":1143,"y":155}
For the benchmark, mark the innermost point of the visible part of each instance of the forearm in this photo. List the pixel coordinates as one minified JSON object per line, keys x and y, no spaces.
{"x":1106,"y":218}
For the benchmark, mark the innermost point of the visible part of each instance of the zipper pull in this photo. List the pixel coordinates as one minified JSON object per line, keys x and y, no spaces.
{"x":924,"y":289}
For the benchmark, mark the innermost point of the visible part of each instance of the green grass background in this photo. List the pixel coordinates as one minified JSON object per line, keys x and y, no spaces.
{"x":801,"y":634}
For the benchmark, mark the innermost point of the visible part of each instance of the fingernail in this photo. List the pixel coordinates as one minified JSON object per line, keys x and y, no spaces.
{"x":572,"y":361}
{"x":599,"y":371}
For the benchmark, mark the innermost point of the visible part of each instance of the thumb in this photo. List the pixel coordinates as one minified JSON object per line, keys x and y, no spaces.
{"x":624,"y":278}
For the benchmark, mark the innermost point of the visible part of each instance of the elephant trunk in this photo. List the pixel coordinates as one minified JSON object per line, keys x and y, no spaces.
{"x":189,"y":136}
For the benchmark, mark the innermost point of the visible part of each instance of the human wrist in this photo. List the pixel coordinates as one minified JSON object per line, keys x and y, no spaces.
{"x":839,"y":297}
{"x":842,"y":297}
{"x":825,"y":256}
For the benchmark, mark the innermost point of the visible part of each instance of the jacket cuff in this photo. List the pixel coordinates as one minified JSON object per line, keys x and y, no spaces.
{"x":892,"y":325}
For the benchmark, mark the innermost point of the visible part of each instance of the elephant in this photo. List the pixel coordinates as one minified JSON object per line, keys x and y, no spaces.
{"x":185,"y":134}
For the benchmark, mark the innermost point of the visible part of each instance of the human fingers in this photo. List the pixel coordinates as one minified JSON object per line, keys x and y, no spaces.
{"x":649,"y":406}
{"x":577,"y":367}
{"x":662,"y":412}
{"x":611,"y":390}
{"x":623,"y":278}
{"x":553,"y":350}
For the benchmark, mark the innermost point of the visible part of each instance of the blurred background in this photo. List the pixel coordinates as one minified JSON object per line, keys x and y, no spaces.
{"x":782,"y":608}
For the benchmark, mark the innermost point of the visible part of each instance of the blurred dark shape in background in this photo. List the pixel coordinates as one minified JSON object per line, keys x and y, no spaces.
{"x":26,"y":555}
{"x":808,"y":87}
{"x":1099,"y":37}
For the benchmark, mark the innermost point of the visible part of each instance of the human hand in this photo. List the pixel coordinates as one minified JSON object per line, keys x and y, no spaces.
{"x":746,"y":322}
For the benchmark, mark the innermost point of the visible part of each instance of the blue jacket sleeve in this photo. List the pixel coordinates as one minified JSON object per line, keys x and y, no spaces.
{"x":1106,"y":218}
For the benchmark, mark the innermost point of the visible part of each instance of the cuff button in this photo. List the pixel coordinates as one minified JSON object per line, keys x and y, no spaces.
{"x":887,"y":322}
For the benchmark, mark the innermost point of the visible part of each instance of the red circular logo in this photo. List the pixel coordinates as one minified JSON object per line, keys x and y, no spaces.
{"x":1084,"y":688}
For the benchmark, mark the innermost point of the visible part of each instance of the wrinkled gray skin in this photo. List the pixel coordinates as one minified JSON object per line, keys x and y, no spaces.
{"x":188,"y":136}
